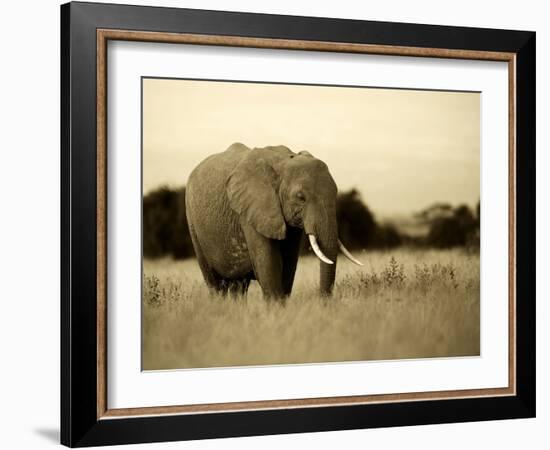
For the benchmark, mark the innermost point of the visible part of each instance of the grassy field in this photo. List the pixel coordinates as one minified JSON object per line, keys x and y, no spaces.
{"x":401,"y":304}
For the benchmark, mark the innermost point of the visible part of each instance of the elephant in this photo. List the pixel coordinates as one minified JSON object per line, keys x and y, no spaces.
{"x":247,"y":210}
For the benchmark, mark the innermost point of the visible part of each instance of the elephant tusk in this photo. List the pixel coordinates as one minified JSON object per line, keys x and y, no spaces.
{"x":347,"y":254}
{"x":317,"y":250}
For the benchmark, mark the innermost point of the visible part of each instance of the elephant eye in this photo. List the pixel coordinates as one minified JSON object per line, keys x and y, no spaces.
{"x":300,"y":196}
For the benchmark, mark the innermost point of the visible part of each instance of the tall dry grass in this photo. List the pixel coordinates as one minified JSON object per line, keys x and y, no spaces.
{"x":402,"y":304}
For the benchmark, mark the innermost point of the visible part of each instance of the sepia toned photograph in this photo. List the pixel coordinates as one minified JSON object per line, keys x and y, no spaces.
{"x":300,"y":224}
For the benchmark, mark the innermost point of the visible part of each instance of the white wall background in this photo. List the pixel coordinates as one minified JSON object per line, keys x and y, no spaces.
{"x":29,"y":229}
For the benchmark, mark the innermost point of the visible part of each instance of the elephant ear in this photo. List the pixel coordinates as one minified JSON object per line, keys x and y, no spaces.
{"x":251,"y":190}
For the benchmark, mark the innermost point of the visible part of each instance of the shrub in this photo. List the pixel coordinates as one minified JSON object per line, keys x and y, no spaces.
{"x":165,"y":230}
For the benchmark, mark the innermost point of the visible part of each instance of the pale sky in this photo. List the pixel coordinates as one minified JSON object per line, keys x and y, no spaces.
{"x":402,"y":149}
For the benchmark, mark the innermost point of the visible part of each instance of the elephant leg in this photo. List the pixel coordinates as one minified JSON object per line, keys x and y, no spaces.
{"x":213,"y":280}
{"x":290,"y":250}
{"x":265,"y":255}
{"x":238,"y":288}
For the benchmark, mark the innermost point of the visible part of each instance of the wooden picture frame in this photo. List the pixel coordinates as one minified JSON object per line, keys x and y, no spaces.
{"x":85,"y":417}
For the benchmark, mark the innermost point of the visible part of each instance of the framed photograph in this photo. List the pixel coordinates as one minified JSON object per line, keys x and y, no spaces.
{"x":277,"y":224}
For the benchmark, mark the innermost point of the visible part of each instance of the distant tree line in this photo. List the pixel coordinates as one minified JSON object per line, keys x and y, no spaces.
{"x":165,"y":230}
{"x":451,"y":227}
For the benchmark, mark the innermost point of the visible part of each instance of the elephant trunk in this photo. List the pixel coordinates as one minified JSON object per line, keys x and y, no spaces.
{"x":325,"y":246}
{"x":327,"y":272}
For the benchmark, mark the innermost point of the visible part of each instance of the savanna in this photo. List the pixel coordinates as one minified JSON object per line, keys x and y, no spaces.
{"x":404,"y":303}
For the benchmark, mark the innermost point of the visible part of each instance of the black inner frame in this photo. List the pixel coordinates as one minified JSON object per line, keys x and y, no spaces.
{"x":79,"y":423}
